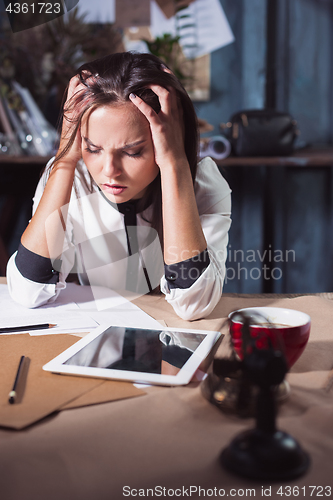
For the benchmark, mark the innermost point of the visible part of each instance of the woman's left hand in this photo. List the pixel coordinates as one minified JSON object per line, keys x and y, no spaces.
{"x":182,"y":231}
{"x":167,"y":127}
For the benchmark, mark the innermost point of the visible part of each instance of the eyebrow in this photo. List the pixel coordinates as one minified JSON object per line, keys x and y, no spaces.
{"x":127,"y":146}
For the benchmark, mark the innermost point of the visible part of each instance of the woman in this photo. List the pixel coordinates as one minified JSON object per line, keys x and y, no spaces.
{"x":124,"y":196}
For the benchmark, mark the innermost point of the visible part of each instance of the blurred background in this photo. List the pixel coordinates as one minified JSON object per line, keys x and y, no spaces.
{"x":231,"y":55}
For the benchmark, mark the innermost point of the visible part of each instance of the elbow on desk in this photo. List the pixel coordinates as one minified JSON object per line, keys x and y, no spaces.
{"x":195,"y":312}
{"x":30,"y":300}
{"x":25,"y":292}
{"x":198,"y":301}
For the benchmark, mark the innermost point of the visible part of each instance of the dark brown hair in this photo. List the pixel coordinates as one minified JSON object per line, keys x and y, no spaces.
{"x":116,"y":77}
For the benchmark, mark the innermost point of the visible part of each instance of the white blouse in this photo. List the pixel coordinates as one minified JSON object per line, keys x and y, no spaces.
{"x":96,"y":248}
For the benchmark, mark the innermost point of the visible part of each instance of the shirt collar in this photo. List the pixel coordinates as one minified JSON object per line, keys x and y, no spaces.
{"x":125,"y":207}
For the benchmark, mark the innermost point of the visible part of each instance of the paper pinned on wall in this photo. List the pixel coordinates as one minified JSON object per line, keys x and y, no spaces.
{"x":169,"y":6}
{"x":98,"y":11}
{"x":213,"y":30}
{"x":132,"y":13}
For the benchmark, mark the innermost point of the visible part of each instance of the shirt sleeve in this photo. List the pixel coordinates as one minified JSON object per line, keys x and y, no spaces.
{"x":184,"y":274}
{"x":213,"y":197}
{"x":35,"y":267}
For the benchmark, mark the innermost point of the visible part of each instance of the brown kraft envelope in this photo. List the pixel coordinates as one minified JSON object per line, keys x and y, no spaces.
{"x":41,"y":392}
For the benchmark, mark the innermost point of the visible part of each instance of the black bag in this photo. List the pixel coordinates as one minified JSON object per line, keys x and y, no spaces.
{"x":261,"y":132}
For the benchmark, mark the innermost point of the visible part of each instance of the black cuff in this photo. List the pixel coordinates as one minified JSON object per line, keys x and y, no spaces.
{"x":184,"y":274}
{"x":34,"y":267}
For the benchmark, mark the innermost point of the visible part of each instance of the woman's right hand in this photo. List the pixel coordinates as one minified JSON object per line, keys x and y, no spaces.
{"x":71,"y":112}
{"x":44,"y":234}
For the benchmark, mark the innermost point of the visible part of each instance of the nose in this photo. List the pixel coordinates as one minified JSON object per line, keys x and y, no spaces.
{"x":112,"y":166}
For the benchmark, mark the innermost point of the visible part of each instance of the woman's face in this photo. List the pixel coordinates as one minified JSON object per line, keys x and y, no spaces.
{"x":118,"y":151}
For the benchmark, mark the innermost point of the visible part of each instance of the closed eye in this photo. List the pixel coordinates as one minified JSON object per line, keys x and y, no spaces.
{"x":134,"y":155}
{"x":93,"y":151}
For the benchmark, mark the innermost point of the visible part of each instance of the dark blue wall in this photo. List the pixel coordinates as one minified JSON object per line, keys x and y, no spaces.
{"x":238,"y":70}
{"x":300,"y":199}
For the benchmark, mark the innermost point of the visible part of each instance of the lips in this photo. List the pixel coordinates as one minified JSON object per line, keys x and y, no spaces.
{"x":115,"y":189}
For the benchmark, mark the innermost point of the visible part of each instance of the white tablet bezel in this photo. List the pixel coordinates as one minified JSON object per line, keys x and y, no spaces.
{"x":183,"y":377}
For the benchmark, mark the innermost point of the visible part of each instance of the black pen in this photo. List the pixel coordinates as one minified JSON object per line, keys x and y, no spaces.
{"x":13,"y":394}
{"x":12,"y":329}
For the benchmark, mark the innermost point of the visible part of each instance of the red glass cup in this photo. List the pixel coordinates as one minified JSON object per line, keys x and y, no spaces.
{"x":275,"y":323}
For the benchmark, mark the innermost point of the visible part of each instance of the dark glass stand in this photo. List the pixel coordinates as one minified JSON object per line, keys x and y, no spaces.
{"x":265,"y":452}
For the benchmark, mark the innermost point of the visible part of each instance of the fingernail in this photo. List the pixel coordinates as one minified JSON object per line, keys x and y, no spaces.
{"x":132,"y":96}
{"x":163,"y":66}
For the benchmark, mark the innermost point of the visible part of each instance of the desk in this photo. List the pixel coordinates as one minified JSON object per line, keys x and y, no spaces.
{"x":171,"y":437}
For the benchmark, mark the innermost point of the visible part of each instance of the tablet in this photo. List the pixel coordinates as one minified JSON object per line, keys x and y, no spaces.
{"x":165,"y":356}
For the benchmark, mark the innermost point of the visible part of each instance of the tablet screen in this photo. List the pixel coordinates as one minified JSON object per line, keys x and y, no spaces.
{"x":138,"y":350}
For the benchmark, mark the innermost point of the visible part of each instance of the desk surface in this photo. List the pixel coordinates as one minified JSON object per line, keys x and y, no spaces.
{"x":172,"y":437}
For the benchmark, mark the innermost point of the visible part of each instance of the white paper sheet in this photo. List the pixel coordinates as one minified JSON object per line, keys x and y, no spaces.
{"x":65,"y":314}
{"x":106,"y":306}
{"x":212,"y":28}
{"x":77,"y":309}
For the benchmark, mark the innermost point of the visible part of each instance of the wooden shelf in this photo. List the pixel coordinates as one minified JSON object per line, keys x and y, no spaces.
{"x":309,"y":157}
{"x":24,"y":160}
